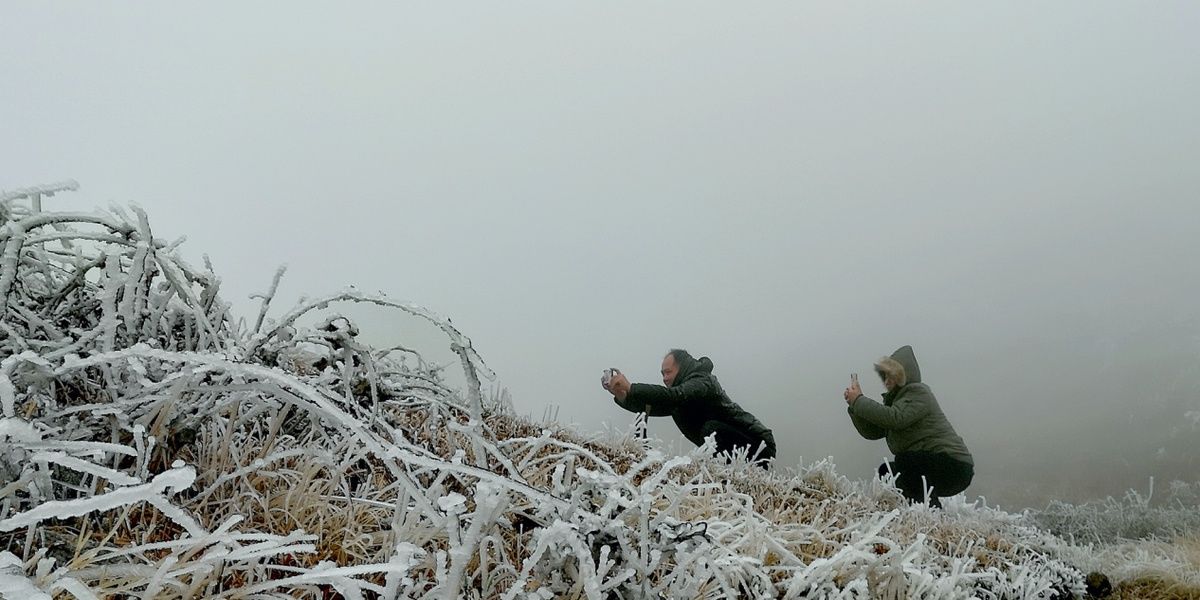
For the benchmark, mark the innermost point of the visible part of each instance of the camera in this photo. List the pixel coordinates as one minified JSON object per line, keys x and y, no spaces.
{"x":607,"y":377}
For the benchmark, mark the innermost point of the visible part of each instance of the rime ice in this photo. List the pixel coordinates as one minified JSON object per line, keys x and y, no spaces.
{"x":280,"y":459}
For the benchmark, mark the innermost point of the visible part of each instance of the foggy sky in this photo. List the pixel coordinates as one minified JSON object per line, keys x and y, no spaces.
{"x":793,"y":190}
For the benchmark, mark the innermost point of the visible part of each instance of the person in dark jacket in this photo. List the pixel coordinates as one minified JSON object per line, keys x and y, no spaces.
{"x":693,"y":397}
{"x":929,"y":453}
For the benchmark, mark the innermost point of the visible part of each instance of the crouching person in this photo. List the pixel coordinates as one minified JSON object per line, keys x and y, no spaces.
{"x":928,"y":450}
{"x":693,"y":397}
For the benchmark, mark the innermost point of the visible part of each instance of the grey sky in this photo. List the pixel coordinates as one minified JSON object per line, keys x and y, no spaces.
{"x":793,"y":191}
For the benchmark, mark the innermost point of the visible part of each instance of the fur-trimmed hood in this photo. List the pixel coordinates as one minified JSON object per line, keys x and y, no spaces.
{"x":909,"y":416}
{"x":900,"y":367}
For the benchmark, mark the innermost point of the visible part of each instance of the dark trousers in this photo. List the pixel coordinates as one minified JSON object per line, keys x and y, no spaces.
{"x":945,"y":475}
{"x":729,"y":438}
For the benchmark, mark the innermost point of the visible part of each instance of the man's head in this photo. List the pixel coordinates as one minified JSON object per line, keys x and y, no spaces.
{"x":672,"y":362}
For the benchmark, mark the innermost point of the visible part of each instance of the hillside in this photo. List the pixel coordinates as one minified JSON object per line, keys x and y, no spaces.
{"x":154,"y":445}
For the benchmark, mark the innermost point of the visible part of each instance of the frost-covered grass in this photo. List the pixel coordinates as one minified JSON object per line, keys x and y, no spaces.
{"x":1151,"y":545}
{"x":1133,"y":517}
{"x":152,"y":445}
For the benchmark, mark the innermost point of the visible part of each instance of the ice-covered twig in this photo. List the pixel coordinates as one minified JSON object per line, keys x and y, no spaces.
{"x":171,"y":481}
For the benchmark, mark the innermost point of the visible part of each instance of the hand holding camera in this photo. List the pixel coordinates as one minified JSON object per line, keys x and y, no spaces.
{"x":606,"y":378}
{"x":615,"y":382}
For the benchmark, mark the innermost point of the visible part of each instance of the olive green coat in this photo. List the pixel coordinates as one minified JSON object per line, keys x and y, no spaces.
{"x":909,"y":416}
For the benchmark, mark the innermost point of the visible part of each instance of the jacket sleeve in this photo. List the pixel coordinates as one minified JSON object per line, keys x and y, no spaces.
{"x":661,"y":401}
{"x":631,"y":403}
{"x":865,"y":428}
{"x":909,"y":409}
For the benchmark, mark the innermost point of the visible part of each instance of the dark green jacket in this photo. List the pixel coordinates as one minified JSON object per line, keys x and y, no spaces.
{"x":694,"y":398}
{"x":909,"y":416}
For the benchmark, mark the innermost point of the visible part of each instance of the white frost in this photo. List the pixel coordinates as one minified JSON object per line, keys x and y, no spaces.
{"x":14,"y":585}
{"x":170,"y":481}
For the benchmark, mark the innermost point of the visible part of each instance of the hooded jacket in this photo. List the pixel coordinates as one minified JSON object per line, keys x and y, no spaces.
{"x":694,"y":398}
{"x":909,"y":417}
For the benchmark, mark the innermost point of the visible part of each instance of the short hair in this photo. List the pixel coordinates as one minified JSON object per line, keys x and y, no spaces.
{"x":680,"y":355}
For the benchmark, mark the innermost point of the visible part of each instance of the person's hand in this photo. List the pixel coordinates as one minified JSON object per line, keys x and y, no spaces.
{"x":853,"y":392}
{"x":619,"y":385}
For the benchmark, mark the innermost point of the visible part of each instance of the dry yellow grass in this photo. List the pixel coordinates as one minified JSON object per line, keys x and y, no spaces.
{"x":1168,"y":585}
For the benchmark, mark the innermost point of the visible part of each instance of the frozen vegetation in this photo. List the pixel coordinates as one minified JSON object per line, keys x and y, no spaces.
{"x":153,"y":445}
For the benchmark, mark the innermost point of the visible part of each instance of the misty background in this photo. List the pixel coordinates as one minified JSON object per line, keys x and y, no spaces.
{"x":793,"y":190}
